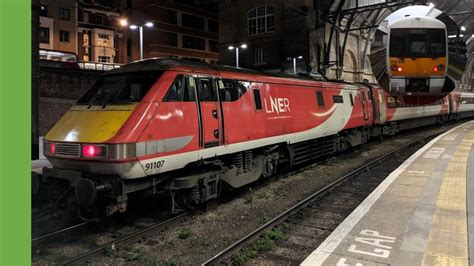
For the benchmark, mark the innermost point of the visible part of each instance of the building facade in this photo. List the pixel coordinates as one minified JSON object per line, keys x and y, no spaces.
{"x":182,"y":29}
{"x":275,"y":32}
{"x":58,"y":25}
{"x":87,"y":28}
{"x":99,"y":32}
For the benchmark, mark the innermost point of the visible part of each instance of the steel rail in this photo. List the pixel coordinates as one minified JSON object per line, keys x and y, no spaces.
{"x":238,"y":245}
{"x":40,"y":214}
{"x":130,"y":238}
{"x":57,"y":233}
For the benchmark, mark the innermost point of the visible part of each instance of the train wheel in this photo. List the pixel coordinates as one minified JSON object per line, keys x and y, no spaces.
{"x":186,"y":199}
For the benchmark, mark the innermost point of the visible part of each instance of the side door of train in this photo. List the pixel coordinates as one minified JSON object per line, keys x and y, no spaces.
{"x":375,"y":105}
{"x":364,"y":103}
{"x":209,"y":111}
{"x":382,"y":106}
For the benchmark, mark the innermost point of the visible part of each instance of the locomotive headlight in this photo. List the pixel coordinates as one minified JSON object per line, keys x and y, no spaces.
{"x":52,"y":148}
{"x":438,"y":68}
{"x":49,"y":148}
{"x":93,"y":151}
{"x":397,"y":68}
{"x":71,"y":150}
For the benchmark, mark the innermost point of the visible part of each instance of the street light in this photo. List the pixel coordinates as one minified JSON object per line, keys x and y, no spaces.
{"x":431,"y":5}
{"x":123,"y":22}
{"x":140,"y":27}
{"x":236,"y":48}
{"x":463,"y":28}
{"x":294,"y":62}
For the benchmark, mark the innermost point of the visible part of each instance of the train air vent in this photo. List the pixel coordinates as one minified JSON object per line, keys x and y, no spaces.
{"x":68,"y":149}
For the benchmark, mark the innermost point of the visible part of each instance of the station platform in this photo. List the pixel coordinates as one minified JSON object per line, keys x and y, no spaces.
{"x":421,"y":214}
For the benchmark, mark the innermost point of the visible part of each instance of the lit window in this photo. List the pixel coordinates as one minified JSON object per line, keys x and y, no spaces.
{"x":261,"y":20}
{"x":104,"y":59}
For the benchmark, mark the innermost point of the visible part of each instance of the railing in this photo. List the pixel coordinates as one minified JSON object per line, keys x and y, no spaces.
{"x":98,"y":66}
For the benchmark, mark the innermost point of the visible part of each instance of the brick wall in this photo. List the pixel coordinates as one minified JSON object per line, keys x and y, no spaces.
{"x":59,"y":89}
{"x":51,"y":109}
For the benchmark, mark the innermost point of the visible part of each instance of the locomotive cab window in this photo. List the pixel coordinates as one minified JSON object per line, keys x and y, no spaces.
{"x":181,"y":90}
{"x":206,"y":90}
{"x":232,"y":89}
{"x":417,"y":43}
{"x":119,"y":88}
{"x":319,"y":96}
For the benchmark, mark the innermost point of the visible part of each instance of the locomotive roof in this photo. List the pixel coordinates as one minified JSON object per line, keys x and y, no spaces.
{"x":417,"y":22}
{"x":163,"y":64}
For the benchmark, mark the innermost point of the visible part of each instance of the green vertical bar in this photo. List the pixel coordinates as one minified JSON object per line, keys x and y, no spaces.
{"x":15,"y":131}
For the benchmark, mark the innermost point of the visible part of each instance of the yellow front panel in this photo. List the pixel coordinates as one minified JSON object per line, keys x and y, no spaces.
{"x":417,"y":66}
{"x":94,"y":125}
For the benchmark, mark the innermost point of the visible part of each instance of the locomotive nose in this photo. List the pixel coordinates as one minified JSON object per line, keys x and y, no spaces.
{"x":94,"y":125}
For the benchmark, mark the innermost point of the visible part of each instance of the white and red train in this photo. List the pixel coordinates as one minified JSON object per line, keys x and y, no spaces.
{"x":189,"y":128}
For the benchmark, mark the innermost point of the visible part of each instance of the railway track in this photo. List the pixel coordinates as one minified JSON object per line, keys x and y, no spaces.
{"x":293,"y":215}
{"x":95,"y":249}
{"x":84,"y":258}
{"x":41,"y":214}
{"x":58,"y":233}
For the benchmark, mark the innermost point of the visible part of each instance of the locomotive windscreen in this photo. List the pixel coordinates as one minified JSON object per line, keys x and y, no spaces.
{"x":120,"y":88}
{"x":417,"y":43}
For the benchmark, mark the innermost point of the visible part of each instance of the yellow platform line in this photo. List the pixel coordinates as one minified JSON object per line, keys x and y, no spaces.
{"x":448,"y":240}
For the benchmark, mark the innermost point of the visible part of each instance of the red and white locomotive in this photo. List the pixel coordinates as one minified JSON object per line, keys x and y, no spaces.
{"x":189,"y":128}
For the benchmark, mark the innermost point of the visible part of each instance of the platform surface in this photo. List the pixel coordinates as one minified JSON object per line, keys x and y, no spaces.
{"x":421,"y":214}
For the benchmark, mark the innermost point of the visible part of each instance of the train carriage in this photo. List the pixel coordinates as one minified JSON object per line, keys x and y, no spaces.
{"x":417,"y":57}
{"x":461,"y":105}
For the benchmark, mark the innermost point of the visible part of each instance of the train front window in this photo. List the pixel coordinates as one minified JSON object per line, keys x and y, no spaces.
{"x":416,"y":43}
{"x":398,"y":45}
{"x":119,"y":88}
{"x":437,"y":44}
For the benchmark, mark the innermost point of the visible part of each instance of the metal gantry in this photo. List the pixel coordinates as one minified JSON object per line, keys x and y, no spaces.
{"x":348,"y":16}
{"x":352,"y":16}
